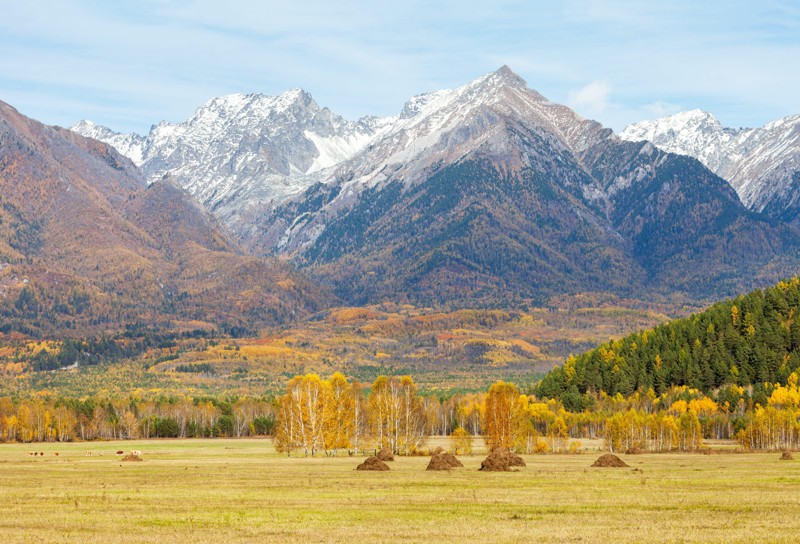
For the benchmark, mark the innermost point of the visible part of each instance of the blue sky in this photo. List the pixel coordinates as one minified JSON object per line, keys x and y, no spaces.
{"x":129,"y":64}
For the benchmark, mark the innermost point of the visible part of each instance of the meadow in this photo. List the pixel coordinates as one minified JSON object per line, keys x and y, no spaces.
{"x":240,"y":490}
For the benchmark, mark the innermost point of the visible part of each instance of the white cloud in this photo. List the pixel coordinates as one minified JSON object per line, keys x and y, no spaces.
{"x":591,"y":99}
{"x":131,"y":64}
{"x":660,"y":108}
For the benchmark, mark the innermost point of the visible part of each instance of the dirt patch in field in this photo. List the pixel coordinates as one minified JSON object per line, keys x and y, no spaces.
{"x":373,"y":463}
{"x":132,"y":457}
{"x":441,"y":460}
{"x":609,"y":460}
{"x":787,"y":456}
{"x":385,"y":455}
{"x":501,"y":460}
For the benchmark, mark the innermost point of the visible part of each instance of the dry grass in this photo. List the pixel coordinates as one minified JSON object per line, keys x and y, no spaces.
{"x":240,"y":491}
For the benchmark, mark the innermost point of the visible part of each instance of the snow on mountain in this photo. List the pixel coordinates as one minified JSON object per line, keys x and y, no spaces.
{"x":243,"y":152}
{"x":440,"y":128}
{"x":762,"y":164}
{"x":130,"y":145}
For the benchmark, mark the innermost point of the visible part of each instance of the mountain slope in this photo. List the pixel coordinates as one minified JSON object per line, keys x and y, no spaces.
{"x":85,"y":244}
{"x":762,"y":164}
{"x":244,"y":152}
{"x":752,"y":339}
{"x":490,"y":192}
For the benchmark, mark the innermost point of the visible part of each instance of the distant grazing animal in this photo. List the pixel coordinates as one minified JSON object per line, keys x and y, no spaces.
{"x":120,"y":452}
{"x":55,"y":453}
{"x":41,"y":453}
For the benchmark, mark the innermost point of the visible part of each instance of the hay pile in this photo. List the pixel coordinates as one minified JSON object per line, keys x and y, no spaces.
{"x":787,"y":456}
{"x":634,"y":450}
{"x":132,"y":457}
{"x":609,"y":460}
{"x":441,"y":460}
{"x":373,"y":463}
{"x":501,"y":460}
{"x":385,"y":455}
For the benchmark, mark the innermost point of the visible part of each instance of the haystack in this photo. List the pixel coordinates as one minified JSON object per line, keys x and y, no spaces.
{"x":634,"y":450}
{"x":495,"y":462}
{"x":441,"y":460}
{"x":373,"y":463}
{"x":787,"y":456}
{"x":132,"y":457}
{"x":514,"y":460}
{"x":385,"y":455}
{"x":609,"y":460}
{"x":501,"y":460}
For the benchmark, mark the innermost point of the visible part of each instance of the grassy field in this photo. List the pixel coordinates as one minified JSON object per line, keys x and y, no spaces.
{"x":240,"y":491}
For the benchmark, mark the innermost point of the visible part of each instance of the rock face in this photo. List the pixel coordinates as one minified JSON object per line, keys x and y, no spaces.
{"x":240,"y":153}
{"x":762,"y":164}
{"x":85,"y":243}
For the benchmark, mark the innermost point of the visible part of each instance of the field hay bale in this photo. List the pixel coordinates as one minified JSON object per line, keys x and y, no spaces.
{"x":496,"y":461}
{"x":132,"y":457}
{"x":373,"y":463}
{"x":609,"y":460}
{"x":787,"y":456}
{"x":443,"y":461}
{"x":501,"y":460}
{"x":515,"y":460}
{"x":385,"y":455}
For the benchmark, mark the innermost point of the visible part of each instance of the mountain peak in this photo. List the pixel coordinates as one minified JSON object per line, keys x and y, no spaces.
{"x":503,"y":76}
{"x":759,"y":163}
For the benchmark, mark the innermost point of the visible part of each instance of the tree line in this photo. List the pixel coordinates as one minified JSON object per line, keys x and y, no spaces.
{"x":335,"y":415}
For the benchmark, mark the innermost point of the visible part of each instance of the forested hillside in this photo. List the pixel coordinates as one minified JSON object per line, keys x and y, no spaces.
{"x":750,"y":340}
{"x":87,"y":247}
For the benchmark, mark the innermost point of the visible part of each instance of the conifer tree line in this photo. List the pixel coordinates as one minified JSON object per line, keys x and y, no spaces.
{"x":750,"y":341}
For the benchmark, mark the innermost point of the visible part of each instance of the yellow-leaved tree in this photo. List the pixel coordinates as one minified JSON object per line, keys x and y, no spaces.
{"x":504,"y":415}
{"x":461,"y":441}
{"x":301,"y":416}
{"x":339,"y":414}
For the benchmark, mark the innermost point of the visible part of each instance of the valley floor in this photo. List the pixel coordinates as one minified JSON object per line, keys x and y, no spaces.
{"x":241,"y":491}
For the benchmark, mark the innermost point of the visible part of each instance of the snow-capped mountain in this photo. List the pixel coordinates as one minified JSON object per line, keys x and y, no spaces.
{"x":762,"y":164}
{"x":98,"y":247}
{"x":439,"y":128}
{"x":243,"y":152}
{"x":491,"y":189}
{"x":470,"y":195}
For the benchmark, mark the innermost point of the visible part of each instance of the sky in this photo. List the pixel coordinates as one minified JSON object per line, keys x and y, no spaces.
{"x":130,"y":64}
